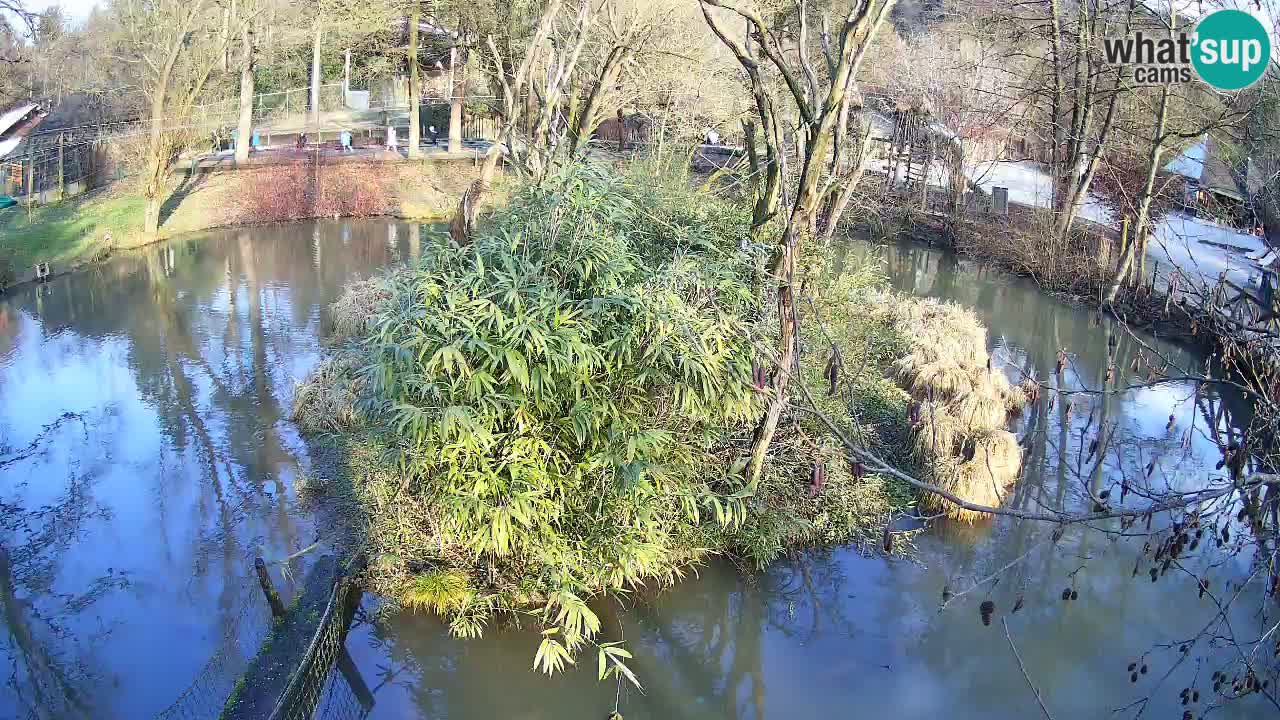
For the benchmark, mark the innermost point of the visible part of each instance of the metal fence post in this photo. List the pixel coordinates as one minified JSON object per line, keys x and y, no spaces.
{"x":62,"y":187}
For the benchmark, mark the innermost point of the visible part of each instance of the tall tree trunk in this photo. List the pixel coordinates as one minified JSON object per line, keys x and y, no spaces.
{"x":157,"y":163}
{"x":816,"y":128}
{"x":456,"y":97}
{"x":1056,"y":99}
{"x":785,"y":269}
{"x":415,"y":138}
{"x":244,"y":128}
{"x":315,"y":73}
{"x":592,"y":111}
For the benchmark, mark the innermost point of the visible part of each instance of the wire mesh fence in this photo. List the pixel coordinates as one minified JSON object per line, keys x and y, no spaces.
{"x":325,"y":677}
{"x":206,"y":696}
{"x":345,"y":696}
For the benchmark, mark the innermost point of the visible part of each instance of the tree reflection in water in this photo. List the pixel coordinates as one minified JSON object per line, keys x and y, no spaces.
{"x":136,"y":524}
{"x":834,"y":633}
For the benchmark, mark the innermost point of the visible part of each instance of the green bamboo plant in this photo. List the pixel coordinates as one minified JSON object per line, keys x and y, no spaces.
{"x":557,"y":392}
{"x":564,"y":408}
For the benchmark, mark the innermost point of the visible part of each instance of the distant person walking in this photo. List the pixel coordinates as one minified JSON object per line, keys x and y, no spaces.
{"x":391,"y":138}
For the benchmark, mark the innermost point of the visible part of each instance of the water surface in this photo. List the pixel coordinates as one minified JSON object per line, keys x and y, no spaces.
{"x":146,"y":457}
{"x":841,"y":634}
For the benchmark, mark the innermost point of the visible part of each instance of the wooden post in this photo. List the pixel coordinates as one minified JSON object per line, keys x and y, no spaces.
{"x":62,"y":187}
{"x":273,"y":597}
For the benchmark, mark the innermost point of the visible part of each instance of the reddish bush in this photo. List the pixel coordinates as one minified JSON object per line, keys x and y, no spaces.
{"x":275,"y":193}
{"x":296,"y":190}
{"x":353,"y":190}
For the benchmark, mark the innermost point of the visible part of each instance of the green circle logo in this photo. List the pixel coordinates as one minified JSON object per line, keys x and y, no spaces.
{"x":1232,"y":49}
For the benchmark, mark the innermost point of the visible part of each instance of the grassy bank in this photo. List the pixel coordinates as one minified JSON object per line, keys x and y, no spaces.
{"x":71,"y":229}
{"x":565,"y":407}
{"x":89,"y":227}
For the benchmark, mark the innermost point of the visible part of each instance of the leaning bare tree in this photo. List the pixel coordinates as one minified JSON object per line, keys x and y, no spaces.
{"x":821,"y":97}
{"x":176,"y":49}
{"x":533,"y":77}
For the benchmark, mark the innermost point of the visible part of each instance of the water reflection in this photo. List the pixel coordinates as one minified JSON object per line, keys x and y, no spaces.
{"x":834,"y":634}
{"x":146,"y":457}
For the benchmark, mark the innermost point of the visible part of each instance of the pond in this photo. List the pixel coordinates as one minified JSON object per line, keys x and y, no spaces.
{"x":148,"y":458}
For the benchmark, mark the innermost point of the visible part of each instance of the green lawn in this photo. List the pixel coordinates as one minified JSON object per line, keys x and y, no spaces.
{"x":70,"y":229}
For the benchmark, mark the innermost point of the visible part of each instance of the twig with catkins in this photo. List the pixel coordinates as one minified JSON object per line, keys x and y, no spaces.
{"x":818,"y":479}
{"x":831,"y":373}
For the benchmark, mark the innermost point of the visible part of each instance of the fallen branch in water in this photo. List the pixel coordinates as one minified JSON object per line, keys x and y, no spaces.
{"x":993,"y":576}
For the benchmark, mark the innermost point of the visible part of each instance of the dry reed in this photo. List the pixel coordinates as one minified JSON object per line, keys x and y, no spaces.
{"x":355,"y":310}
{"x":962,"y":405}
{"x":326,"y":400}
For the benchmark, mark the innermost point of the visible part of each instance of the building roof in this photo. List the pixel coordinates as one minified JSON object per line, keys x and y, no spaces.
{"x":1218,"y":177}
{"x":15,"y":124}
{"x":14,"y":116}
{"x":1204,"y":163}
{"x":1190,"y":163}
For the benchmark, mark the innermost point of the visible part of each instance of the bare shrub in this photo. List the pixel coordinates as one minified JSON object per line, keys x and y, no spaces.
{"x":1079,"y":263}
{"x":352,"y":190}
{"x":299,"y":189}
{"x":275,"y":194}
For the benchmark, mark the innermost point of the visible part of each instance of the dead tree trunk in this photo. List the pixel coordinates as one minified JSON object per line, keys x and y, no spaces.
{"x":463,"y":225}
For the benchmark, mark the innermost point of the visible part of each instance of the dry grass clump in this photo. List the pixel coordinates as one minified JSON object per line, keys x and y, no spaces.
{"x":326,"y":400}
{"x":988,"y":464}
{"x":982,"y":405}
{"x":940,"y":332}
{"x":935,"y":433}
{"x":353,"y":312}
{"x":960,"y":405}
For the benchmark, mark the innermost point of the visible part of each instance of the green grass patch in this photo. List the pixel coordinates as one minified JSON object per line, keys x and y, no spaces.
{"x":69,"y":230}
